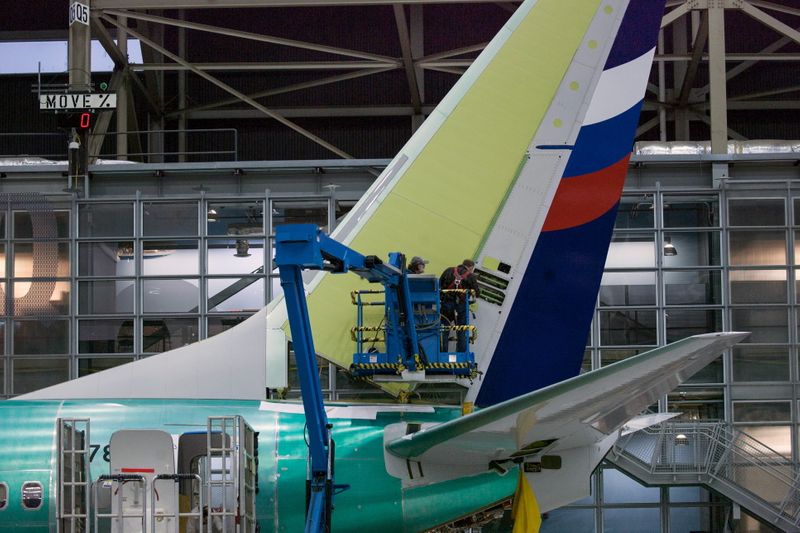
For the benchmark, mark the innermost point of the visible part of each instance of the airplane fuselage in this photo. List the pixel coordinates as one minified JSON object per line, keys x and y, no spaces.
{"x":375,"y":500}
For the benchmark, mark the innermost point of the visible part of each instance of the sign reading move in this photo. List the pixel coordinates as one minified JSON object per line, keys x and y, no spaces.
{"x":55,"y":102}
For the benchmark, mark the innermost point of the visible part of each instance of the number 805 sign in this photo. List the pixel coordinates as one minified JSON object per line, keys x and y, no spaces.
{"x":78,"y":13}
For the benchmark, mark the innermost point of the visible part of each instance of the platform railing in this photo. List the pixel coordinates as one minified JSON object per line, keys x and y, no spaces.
{"x":721,"y":456}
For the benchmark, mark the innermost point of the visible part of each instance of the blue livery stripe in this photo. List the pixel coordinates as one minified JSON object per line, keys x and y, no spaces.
{"x":601,"y":145}
{"x":638,"y":32}
{"x":545,"y":334}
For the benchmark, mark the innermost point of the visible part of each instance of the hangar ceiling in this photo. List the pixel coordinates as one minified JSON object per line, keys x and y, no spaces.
{"x":724,"y":68}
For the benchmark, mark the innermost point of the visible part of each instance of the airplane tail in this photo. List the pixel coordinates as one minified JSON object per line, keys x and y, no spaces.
{"x":543,"y":335}
{"x":520,"y":167}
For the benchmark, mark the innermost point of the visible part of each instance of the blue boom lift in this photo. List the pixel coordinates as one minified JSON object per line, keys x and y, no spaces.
{"x":411,"y":330}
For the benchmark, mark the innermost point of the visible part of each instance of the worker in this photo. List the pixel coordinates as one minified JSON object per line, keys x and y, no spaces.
{"x":417,"y":265}
{"x":455,"y":306}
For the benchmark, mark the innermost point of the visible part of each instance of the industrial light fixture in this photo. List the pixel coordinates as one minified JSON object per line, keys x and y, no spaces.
{"x":669,"y":248}
{"x":681,"y":439}
{"x":211,"y":215}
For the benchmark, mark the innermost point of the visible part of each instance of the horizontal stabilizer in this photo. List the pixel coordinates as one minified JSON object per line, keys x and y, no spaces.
{"x":580,"y":411}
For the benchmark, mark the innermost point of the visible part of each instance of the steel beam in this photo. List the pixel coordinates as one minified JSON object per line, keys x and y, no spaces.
{"x":313,"y":112}
{"x":251,"y":36}
{"x":265,"y":66}
{"x":776,"y":7}
{"x":768,"y":20}
{"x":284,"y":90}
{"x":208,"y":4}
{"x":675,"y":14}
{"x":691,"y":70}
{"x":234,"y":92}
{"x":408,"y":62}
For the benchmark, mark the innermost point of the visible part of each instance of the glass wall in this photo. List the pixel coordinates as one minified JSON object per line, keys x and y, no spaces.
{"x":90,"y":284}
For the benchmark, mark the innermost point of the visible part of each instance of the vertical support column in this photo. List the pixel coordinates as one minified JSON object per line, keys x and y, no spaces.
{"x":182,"y":91}
{"x":416,"y":37}
{"x":662,"y":92}
{"x":717,"y":80}
{"x":79,"y":57}
{"x":122,"y":94}
{"x":680,"y":47}
{"x":79,"y":46}
{"x":718,"y":92}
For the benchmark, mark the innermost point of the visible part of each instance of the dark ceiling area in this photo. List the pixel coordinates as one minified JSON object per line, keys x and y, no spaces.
{"x":363,"y":75}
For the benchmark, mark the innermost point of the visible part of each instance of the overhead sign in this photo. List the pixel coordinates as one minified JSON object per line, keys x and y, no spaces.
{"x":78,"y":13}
{"x":60,"y":102}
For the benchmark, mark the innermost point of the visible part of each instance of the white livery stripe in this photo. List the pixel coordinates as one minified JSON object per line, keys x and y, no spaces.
{"x":619,"y":89}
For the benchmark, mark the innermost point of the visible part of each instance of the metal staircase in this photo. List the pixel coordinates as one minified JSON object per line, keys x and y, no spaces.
{"x":719,"y":456}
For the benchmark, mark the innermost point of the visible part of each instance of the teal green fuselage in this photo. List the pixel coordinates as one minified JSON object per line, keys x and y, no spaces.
{"x":375,"y":500}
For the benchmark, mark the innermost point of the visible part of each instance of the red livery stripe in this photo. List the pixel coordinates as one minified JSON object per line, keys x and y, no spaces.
{"x":581,"y":199}
{"x":138,"y":470}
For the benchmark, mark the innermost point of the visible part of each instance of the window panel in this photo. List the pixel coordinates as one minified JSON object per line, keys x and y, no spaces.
{"x":629,"y":250}
{"x":166,"y":218}
{"x":32,"y":374}
{"x":235,"y":256}
{"x":162,"y":334}
{"x":713,"y":372}
{"x":758,"y":286}
{"x":632,"y":520}
{"x":619,"y":488}
{"x":235,"y":218}
{"x":41,"y":260}
{"x":113,"y":258}
{"x":170,"y":258}
{"x":693,"y":287}
{"x":105,"y":220}
{"x":218,"y":324}
{"x":566,"y":519}
{"x":683,"y":519}
{"x":2,"y":260}
{"x":696,"y":403}
{"x":41,"y":224}
{"x":698,"y":248}
{"x":756,"y":212}
{"x":760,"y":363}
{"x":235,"y":294}
{"x":88,"y":366}
{"x":762,"y":411}
{"x":779,"y":439}
{"x":299,"y":212}
{"x":2,"y":376}
{"x":39,"y":337}
{"x":627,"y":327}
{"x":105,"y":336}
{"x":688,"y":495}
{"x":769,"y":325}
{"x":41,"y":298}
{"x":682,"y":323}
{"x":757,"y":248}
{"x":611,"y":356}
{"x":691,"y":211}
{"x":635,"y":212}
{"x":105,"y":297}
{"x":628,"y":288}
{"x":170,"y":296}
{"x":3,"y":496}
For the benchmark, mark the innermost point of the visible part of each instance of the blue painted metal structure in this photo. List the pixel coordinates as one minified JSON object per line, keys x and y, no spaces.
{"x":412,"y":338}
